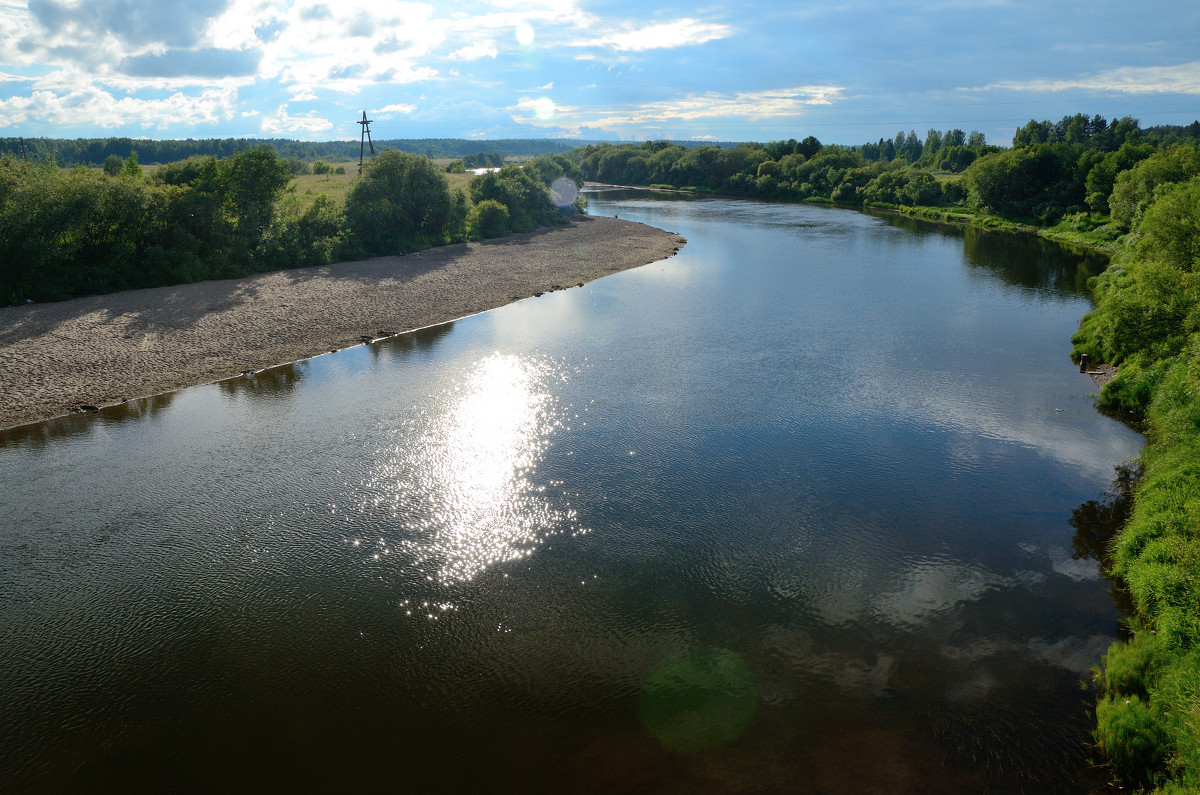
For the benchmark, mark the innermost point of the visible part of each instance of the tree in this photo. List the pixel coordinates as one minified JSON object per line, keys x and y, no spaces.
{"x":487,"y":219}
{"x":1170,"y":228}
{"x":1134,"y":188}
{"x":401,"y":203}
{"x":253,"y":181}
{"x":132,"y":168}
{"x":113,"y":165}
{"x":527,"y":199}
{"x":933,"y":142}
{"x":808,"y":147}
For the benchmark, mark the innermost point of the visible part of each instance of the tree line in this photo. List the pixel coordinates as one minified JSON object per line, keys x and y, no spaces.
{"x":888,"y":172}
{"x":80,"y":231}
{"x":94,"y":151}
{"x":1053,"y":169}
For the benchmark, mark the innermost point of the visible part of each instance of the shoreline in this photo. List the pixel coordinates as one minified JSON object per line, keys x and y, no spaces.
{"x":88,"y":353}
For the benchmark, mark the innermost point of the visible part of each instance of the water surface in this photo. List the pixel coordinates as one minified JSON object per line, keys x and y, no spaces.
{"x":788,"y":511}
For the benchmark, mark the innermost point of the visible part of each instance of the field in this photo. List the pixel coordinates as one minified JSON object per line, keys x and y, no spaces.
{"x":305,"y":188}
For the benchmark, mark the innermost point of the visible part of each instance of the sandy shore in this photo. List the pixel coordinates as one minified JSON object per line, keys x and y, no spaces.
{"x":56,"y":358}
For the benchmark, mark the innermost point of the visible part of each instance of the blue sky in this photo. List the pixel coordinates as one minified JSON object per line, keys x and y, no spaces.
{"x":846,"y":72}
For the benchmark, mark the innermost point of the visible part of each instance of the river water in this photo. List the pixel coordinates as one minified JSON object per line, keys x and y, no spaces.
{"x":788,"y":511}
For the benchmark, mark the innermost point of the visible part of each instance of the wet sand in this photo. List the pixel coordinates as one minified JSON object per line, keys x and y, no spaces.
{"x":97,"y":351}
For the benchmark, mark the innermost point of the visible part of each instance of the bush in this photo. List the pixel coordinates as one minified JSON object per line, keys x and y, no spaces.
{"x":401,"y":203}
{"x":1127,"y":666}
{"x":526,"y":198}
{"x":70,"y":233}
{"x":303,"y":240}
{"x":487,"y":219}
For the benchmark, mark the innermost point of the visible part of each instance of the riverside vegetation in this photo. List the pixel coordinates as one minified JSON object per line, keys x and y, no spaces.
{"x":80,"y":231}
{"x":1109,"y":184}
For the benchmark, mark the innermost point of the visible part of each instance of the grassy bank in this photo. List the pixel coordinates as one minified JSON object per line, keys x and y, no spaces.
{"x":1147,"y":321}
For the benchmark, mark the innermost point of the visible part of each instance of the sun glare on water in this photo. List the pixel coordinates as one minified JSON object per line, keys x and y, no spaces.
{"x":465,"y":489}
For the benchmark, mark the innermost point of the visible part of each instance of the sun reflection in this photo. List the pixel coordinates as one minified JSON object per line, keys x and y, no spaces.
{"x":463,"y":487}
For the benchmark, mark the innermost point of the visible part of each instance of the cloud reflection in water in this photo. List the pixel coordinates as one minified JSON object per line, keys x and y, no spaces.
{"x":465,"y":487}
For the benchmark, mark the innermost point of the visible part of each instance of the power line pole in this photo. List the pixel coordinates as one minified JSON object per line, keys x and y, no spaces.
{"x":364,"y":139}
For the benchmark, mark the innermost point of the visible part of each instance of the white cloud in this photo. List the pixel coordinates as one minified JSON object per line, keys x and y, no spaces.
{"x":316,"y":46}
{"x":1180,"y":79}
{"x":282,"y":123}
{"x":684,"y":32}
{"x":753,"y":105}
{"x":475,"y":51}
{"x":100,"y":108}
{"x":388,"y":111}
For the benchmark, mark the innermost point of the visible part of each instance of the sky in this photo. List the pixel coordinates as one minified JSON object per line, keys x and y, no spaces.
{"x":848,"y":71}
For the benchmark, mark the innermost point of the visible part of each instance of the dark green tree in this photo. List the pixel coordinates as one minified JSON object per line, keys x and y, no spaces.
{"x":402,"y":203}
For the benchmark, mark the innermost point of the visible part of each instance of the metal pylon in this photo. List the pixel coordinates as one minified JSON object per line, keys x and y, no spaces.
{"x":365,"y":140}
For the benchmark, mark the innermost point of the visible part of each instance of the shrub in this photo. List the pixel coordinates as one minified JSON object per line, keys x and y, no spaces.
{"x":487,"y":219}
{"x":527,"y":199}
{"x":401,"y":203}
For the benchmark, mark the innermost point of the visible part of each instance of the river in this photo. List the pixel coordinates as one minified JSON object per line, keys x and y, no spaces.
{"x":788,"y":511}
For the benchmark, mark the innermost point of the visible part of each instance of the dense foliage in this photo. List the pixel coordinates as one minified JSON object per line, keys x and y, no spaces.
{"x":73,"y":232}
{"x":80,"y":231}
{"x":1147,"y":320}
{"x":888,"y":173}
{"x":1053,"y":171}
{"x":402,"y":203}
{"x":95,"y":151}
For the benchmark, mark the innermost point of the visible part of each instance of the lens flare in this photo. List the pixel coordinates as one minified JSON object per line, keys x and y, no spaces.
{"x":564,"y":192}
{"x":699,"y":699}
{"x":543,"y":108}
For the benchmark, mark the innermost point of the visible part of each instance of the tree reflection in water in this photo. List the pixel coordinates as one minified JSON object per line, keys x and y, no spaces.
{"x":270,"y":382}
{"x":39,"y":434}
{"x":1097,"y":523}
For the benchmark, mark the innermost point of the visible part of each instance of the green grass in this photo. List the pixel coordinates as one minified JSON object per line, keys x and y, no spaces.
{"x":305,"y":188}
{"x":1148,"y":718}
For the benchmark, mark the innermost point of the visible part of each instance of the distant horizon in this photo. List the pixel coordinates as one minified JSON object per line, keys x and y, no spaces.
{"x":569,"y":143}
{"x":575,"y":70}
